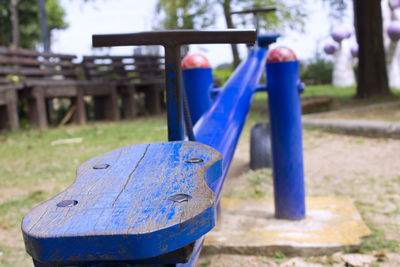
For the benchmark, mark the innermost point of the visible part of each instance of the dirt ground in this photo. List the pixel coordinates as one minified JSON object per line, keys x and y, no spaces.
{"x":389,"y":112}
{"x":366,"y":170}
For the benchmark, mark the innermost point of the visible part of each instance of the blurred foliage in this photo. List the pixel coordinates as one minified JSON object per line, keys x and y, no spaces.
{"x":289,"y":14}
{"x":29,"y":23}
{"x":224,"y":66}
{"x":221,"y":76}
{"x":198,"y":14}
{"x":55,"y":15}
{"x":337,"y":9}
{"x":318,"y":71}
{"x":184,"y":14}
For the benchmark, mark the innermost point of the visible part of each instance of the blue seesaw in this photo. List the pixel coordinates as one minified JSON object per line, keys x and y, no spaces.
{"x":153,"y":203}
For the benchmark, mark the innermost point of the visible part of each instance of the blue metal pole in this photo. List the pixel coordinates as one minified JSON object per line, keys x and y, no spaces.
{"x":198,"y":83}
{"x":221,"y":125}
{"x":286,"y":134}
{"x":174,"y":95}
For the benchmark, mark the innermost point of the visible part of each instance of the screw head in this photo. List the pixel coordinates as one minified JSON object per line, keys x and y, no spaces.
{"x":194,"y":160}
{"x":101,"y":166}
{"x":179,"y":198}
{"x":67,"y":203}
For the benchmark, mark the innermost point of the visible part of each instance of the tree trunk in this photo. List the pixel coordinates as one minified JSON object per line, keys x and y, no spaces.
{"x":44,"y":28}
{"x":228,"y":18}
{"x":15,"y":23}
{"x":372,"y":78}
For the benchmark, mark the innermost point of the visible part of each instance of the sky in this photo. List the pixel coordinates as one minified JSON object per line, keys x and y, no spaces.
{"x":127,"y":16}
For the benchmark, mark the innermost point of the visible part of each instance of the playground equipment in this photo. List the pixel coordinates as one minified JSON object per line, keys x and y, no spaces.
{"x":154,"y":203}
{"x":343,"y":74}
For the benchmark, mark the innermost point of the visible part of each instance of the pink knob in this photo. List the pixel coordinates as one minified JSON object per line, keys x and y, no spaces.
{"x":195,"y":61}
{"x":281,"y":54}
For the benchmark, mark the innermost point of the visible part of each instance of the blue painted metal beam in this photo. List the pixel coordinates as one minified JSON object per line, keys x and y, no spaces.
{"x":221,"y":125}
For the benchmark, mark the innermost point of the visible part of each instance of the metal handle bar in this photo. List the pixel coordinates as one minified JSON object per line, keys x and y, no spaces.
{"x":256,"y":10}
{"x":176,"y":37}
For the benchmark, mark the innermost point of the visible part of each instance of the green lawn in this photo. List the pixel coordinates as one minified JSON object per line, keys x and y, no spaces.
{"x":329,"y":90}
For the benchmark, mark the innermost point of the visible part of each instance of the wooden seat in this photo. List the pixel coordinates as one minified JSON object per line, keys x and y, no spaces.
{"x":132,"y":74}
{"x":138,"y":204}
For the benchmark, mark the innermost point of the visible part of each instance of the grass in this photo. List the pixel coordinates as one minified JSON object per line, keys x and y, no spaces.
{"x":47,"y":162}
{"x":257,"y":181}
{"x":329,"y":90}
{"x":279,"y":256}
{"x":377,"y":241}
{"x":221,"y":75}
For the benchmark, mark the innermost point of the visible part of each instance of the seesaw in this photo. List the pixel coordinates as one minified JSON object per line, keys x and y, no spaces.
{"x":153,"y":203}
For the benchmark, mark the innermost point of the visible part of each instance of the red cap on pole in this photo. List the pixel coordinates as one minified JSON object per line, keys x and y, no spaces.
{"x":195,"y":61}
{"x":281,"y":54}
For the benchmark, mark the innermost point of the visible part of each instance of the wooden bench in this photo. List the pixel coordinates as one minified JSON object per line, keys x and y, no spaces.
{"x":8,"y":104}
{"x":49,"y":75}
{"x":132,"y":74}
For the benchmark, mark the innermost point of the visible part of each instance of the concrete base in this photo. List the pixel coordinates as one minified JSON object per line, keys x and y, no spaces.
{"x":248,"y":226}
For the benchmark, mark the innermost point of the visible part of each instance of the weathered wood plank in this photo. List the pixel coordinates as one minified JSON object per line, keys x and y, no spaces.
{"x":32,"y":53}
{"x":127,"y":206}
{"x":122,"y":57}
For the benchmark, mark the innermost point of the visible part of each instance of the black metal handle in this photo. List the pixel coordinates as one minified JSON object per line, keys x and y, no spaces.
{"x":255,"y":10}
{"x":176,"y":37}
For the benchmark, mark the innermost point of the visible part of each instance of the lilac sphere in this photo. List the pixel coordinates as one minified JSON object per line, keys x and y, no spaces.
{"x":330,"y":48}
{"x":340,"y":33}
{"x":393,"y":30}
{"x":354,"y":51}
{"x":396,"y":4}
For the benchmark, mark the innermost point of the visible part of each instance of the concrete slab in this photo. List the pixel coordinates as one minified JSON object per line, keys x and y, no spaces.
{"x":248,"y":226}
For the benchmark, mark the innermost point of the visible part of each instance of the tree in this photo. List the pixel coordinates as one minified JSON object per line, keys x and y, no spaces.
{"x":194,"y":14}
{"x":14,"y":23}
{"x":372,"y":75}
{"x":44,"y":27}
{"x":28,"y":21}
{"x":184,"y":14}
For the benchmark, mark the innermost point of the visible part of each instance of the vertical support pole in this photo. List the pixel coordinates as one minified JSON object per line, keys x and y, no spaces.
{"x":174,"y":94}
{"x":198,"y":82}
{"x":12,"y":109}
{"x":286,"y":133}
{"x":79,"y":116}
{"x":37,"y":107}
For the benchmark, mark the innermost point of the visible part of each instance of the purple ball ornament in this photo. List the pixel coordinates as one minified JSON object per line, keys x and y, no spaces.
{"x":340,"y":33}
{"x":330,"y":48}
{"x":354,"y":51}
{"x":396,"y":4}
{"x":393,"y":30}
